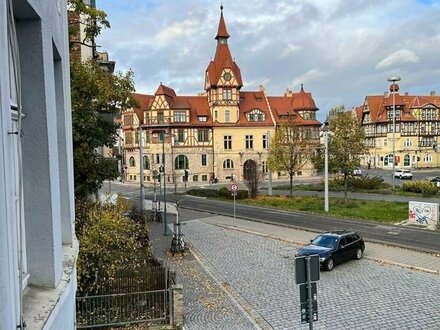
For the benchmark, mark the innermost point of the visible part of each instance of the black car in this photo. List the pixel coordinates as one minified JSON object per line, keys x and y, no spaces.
{"x":334,"y":247}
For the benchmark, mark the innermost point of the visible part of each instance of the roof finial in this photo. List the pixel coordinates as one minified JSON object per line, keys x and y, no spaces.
{"x":302,"y":88}
{"x":221,"y":8}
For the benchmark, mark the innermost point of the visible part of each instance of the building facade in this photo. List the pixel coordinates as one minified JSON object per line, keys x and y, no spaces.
{"x":219,"y":134}
{"x":38,"y":249}
{"x":417,"y":129}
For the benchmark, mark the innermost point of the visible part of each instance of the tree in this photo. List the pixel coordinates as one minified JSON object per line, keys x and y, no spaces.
{"x":346,"y":143}
{"x":289,"y":151}
{"x":253,"y":176}
{"x":97,"y":97}
{"x":91,"y":19}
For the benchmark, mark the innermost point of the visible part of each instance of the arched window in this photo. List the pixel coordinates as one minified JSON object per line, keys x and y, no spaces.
{"x":181,"y":162}
{"x":255,"y":115}
{"x":146,"y":163}
{"x":132,"y":162}
{"x":406,"y":160}
{"x":228,"y":163}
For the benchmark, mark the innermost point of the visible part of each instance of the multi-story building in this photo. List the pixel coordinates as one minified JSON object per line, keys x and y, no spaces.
{"x":38,"y":249}
{"x":220,"y":133}
{"x":417,"y":128}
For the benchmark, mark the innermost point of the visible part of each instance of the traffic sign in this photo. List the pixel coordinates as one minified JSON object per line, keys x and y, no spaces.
{"x":301,"y":269}
{"x":234,"y":187}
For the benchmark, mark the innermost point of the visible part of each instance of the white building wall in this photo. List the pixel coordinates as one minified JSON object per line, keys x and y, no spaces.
{"x":47,"y":161}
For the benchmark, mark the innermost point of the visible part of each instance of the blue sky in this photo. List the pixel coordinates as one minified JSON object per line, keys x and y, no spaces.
{"x":340,"y":50}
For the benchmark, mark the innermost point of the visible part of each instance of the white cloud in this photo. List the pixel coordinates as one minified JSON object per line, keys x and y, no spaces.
{"x":341,"y":50}
{"x":398,"y":57}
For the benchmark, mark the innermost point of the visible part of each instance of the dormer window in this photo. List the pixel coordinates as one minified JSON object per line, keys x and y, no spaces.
{"x":255,"y":115}
{"x":203,"y":118}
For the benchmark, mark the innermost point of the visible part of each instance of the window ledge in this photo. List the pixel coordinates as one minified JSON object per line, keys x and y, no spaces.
{"x":39,"y":304}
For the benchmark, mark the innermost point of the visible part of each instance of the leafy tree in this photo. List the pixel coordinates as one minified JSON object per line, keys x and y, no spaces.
{"x":289,"y":151}
{"x":97,"y":97}
{"x":346,"y":143}
{"x":92,"y":20}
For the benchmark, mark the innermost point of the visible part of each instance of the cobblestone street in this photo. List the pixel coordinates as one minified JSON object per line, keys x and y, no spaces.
{"x":251,"y":277}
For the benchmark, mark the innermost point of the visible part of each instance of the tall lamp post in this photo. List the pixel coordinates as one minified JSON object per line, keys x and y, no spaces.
{"x":326,"y":132}
{"x":165,"y":225}
{"x":393,"y":81}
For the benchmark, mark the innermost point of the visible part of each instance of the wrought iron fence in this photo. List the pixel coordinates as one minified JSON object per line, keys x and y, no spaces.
{"x":131,"y":296}
{"x":121,"y":309}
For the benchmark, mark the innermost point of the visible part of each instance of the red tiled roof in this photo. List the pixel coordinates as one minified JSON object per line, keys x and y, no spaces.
{"x":144,"y":103}
{"x":222,"y":32}
{"x":377,"y":105}
{"x":223,"y":58}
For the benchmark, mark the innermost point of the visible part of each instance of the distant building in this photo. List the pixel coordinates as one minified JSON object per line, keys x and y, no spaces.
{"x":220,"y":133}
{"x":38,"y":248}
{"x":417,"y":124}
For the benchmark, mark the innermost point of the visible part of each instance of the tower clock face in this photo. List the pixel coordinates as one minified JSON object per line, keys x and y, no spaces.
{"x":227,"y":76}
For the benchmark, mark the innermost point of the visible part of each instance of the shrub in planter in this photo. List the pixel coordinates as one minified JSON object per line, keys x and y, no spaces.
{"x":242,"y":194}
{"x":365,"y":182}
{"x":426,"y":188}
{"x":224,"y":192}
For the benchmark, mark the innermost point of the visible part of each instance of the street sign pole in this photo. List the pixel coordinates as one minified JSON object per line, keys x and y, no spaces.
{"x":233,"y":193}
{"x":309,"y":293}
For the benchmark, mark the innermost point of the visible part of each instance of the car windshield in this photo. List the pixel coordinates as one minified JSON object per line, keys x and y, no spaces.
{"x":325,"y":241}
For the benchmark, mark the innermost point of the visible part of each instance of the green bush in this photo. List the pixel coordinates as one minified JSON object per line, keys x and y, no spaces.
{"x":365,"y":182}
{"x":108,"y":241}
{"x":203,"y":192}
{"x":242,"y":194}
{"x":223,"y":192}
{"x":426,"y":188}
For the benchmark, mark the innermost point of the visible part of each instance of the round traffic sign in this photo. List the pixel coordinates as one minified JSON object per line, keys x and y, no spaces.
{"x":234,"y":187}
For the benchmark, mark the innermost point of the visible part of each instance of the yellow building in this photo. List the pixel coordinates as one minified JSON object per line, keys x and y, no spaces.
{"x":417,"y":126}
{"x":220,"y":133}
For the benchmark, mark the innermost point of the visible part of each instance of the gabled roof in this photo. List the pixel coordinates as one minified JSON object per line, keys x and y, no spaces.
{"x":377,"y":105}
{"x":291,"y":103}
{"x":144,"y":103}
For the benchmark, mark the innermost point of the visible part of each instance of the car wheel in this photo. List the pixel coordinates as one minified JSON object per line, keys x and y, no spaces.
{"x":329,"y":264}
{"x":359,"y":254}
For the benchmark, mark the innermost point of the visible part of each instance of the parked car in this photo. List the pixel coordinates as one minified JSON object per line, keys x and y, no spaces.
{"x":403,"y":174}
{"x":357,"y":171}
{"x":334,"y":247}
{"x":436,"y":181}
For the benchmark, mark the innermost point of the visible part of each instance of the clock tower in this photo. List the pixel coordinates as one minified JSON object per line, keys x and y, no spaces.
{"x":223,"y":80}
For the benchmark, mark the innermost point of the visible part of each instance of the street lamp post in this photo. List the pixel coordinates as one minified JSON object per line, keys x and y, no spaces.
{"x":141,"y":168}
{"x":326,"y":169}
{"x":165,"y":225}
{"x":393,"y":81}
{"x":270,"y":171}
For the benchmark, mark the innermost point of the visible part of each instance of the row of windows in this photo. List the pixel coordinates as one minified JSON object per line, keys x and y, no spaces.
{"x":181,"y":162}
{"x":249,"y":142}
{"x":179,"y":136}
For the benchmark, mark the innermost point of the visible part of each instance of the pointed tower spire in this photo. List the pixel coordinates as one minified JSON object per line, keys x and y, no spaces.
{"x":222,"y":33}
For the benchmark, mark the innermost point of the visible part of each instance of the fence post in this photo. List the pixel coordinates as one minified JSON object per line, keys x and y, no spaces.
{"x":177,"y":301}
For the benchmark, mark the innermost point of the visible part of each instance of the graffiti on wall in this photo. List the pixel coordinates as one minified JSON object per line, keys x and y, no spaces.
{"x":423,"y":214}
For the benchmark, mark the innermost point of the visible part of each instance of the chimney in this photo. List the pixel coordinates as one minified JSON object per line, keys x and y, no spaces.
{"x":385,"y":94}
{"x":288,"y":92}
{"x":262,"y":88}
{"x":406,"y":93}
{"x":432,"y":93}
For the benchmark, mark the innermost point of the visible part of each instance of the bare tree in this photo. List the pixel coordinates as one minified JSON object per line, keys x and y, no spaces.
{"x":252,"y":178}
{"x":289,"y":151}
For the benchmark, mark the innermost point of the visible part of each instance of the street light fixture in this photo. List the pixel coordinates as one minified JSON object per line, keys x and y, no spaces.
{"x":393,"y":90}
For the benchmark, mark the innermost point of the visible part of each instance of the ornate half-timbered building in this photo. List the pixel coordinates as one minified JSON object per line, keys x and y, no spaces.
{"x":218,"y":134}
{"x":417,"y":127}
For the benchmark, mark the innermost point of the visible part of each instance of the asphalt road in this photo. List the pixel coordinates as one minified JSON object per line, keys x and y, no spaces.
{"x":413,"y":238}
